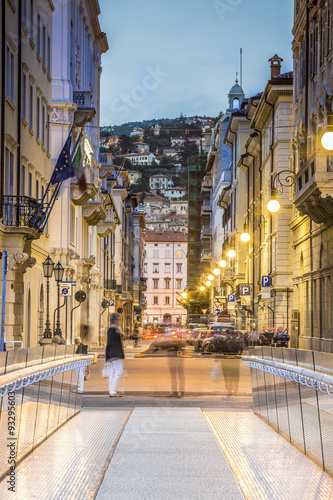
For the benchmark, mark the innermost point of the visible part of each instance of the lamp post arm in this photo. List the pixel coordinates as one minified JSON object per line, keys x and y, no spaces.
{"x":287,"y":181}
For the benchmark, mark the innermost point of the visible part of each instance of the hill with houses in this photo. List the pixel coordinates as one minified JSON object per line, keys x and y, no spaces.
{"x":155,"y":153}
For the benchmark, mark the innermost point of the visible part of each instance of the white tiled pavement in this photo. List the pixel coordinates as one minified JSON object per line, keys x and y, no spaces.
{"x":167,"y":453}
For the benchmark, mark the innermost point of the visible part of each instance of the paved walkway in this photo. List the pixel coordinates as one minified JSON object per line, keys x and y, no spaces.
{"x":150,"y":453}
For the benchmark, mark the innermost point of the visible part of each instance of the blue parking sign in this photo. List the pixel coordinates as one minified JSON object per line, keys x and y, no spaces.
{"x":231,"y":297}
{"x":265,"y":281}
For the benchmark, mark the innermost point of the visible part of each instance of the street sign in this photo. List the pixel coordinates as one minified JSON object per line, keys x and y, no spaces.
{"x":111,"y":302}
{"x":265,"y":281}
{"x":204,"y":311}
{"x":231,"y":301}
{"x":204,"y":317}
{"x":217,"y":311}
{"x":65,"y":290}
{"x":66,"y":287}
{"x":245,"y":290}
{"x":80,"y":296}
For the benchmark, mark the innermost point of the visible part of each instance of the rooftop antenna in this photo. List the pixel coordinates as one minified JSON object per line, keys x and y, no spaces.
{"x":241,"y":69}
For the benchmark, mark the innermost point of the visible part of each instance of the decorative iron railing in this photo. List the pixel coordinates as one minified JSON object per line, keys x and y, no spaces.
{"x":110,"y":284}
{"x":20,"y":211}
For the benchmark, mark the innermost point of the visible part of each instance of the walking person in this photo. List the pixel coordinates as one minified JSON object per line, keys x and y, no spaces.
{"x":80,"y":371}
{"x":114,"y":354}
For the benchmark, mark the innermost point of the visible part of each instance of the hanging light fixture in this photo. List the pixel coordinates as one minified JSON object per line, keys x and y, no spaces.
{"x":327,"y":138}
{"x":245,"y":236}
{"x":231,"y":253}
{"x":273,"y":205}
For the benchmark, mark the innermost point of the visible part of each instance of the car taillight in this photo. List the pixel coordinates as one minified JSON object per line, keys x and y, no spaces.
{"x":175,"y":336}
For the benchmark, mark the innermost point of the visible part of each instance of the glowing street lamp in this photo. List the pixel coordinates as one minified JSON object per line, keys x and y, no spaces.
{"x":210,"y":277}
{"x":273,"y":205}
{"x":231,"y":253}
{"x":216,"y":272}
{"x":222,"y":263}
{"x":184,"y":295}
{"x":327,"y":138}
{"x":208,"y":283}
{"x":202,"y":288}
{"x":245,"y":236}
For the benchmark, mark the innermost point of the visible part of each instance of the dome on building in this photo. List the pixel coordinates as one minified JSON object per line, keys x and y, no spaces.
{"x":235,"y":96}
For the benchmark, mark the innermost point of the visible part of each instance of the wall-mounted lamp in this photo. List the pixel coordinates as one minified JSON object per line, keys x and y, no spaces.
{"x":202,"y":288}
{"x":285,"y":178}
{"x":210,"y":277}
{"x":245,"y":236}
{"x":216,"y":271}
{"x":258,"y":219}
{"x":222,"y":263}
{"x":208,"y":283}
{"x":231,"y":253}
{"x":327,"y":138}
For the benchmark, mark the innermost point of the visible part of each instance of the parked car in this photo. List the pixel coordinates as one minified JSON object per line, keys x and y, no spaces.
{"x":266,"y":338}
{"x":228,"y":341}
{"x":171,"y":340}
{"x":281,"y":338}
{"x":199,"y":335}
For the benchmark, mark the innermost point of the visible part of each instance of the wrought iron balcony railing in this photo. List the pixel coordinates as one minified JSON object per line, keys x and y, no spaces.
{"x":110,"y":284}
{"x":20,"y":211}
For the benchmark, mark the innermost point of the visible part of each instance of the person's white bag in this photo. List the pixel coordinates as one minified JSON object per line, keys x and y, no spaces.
{"x":106,"y":371}
{"x":216,"y":373}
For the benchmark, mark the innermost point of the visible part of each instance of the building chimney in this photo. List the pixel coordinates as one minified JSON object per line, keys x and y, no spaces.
{"x":275,"y":65}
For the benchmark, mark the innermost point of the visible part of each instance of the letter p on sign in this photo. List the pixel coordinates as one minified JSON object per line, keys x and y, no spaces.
{"x":265,"y":281}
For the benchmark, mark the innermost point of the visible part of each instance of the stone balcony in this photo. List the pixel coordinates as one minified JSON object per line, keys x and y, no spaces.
{"x":207,"y":184}
{"x":206,"y":232}
{"x":94,"y":212}
{"x":206,"y":207}
{"x":314,"y":191}
{"x":85,"y":111}
{"x":81,"y":198}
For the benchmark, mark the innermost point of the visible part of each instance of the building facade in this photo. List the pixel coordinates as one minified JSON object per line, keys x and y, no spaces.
{"x":26,"y":166}
{"x":165,"y":272}
{"x":312,"y":164}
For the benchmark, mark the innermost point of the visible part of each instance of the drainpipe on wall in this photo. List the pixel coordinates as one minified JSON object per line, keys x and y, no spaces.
{"x":3,"y":104}
{"x":19,"y":99}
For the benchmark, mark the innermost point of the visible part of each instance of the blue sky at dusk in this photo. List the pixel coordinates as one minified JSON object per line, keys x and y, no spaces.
{"x":168,"y":57}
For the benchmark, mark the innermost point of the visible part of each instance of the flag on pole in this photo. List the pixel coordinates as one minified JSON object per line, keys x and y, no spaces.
{"x":64,"y":168}
{"x":77,"y":165}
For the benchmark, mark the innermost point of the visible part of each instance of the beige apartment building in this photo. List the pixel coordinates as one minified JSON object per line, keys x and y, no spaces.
{"x":165,"y":270}
{"x":312,"y":164}
{"x":26,"y":164}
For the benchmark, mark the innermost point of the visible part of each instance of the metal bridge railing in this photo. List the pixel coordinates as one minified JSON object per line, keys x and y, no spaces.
{"x":292,"y":391}
{"x":38,"y":394}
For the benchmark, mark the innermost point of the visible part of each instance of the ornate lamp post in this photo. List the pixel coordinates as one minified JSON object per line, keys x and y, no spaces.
{"x":48,"y":266}
{"x":58,"y":274}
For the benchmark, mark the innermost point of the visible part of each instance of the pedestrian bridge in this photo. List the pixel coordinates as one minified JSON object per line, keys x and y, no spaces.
{"x":275,"y":443}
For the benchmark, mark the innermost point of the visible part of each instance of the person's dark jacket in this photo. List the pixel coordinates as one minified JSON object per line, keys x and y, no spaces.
{"x":114,"y":346}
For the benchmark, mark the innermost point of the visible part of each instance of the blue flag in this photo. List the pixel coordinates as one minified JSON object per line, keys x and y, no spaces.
{"x":64,"y":168}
